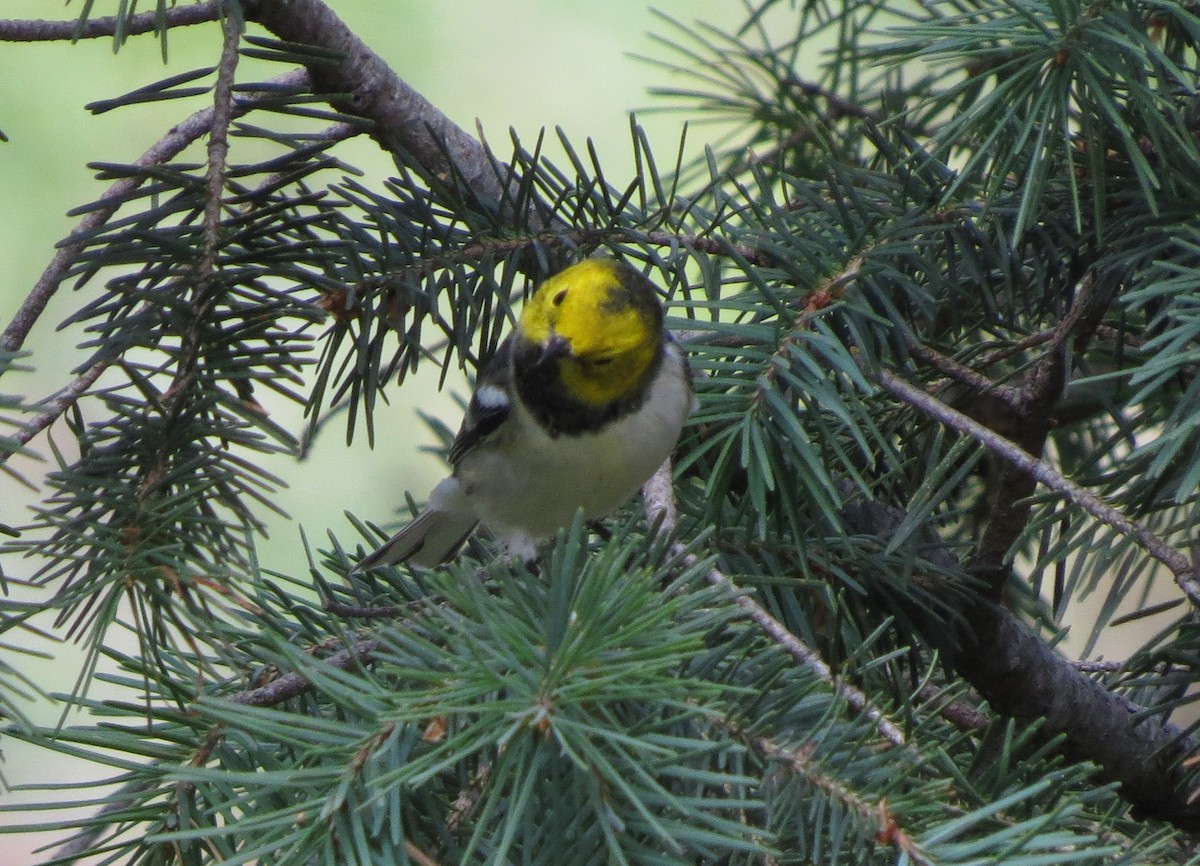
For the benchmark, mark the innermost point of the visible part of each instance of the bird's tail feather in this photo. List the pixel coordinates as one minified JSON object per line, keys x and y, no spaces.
{"x":431,"y":538}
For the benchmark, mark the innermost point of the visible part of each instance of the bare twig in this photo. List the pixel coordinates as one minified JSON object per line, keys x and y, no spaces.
{"x":659,"y":498}
{"x":1101,"y":667}
{"x":134,"y":25}
{"x":56,"y":404}
{"x":218,"y":143}
{"x":1181,"y":568}
{"x":964,"y":375}
{"x":962,"y":716}
{"x":713,"y":245}
{"x":350,"y":611}
{"x":294,"y":684}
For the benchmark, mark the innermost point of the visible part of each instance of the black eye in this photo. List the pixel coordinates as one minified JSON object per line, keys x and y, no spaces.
{"x":559,"y":298}
{"x":601,"y":362}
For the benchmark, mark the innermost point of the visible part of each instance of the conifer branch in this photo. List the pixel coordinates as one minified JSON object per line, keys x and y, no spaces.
{"x":208,"y":288}
{"x":215,"y":271}
{"x":1027,"y":418}
{"x":405,"y":122}
{"x":1022,"y":677}
{"x":798,"y":650}
{"x":658,"y":496}
{"x":1009,"y":451}
{"x":169,"y":146}
{"x":164,"y":150}
{"x":715,"y":246}
{"x":887,"y":828}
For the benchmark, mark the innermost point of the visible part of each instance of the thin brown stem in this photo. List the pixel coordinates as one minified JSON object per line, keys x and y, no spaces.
{"x":295,"y":684}
{"x":962,"y":716}
{"x":1003,"y":353}
{"x":350,"y":611}
{"x":218,"y":143}
{"x":713,"y":245}
{"x":208,"y":288}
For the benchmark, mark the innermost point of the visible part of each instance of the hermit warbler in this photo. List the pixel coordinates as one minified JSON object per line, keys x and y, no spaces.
{"x":578,"y":407}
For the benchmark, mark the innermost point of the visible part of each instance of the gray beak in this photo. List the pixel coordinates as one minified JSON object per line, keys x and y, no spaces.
{"x":556,"y":347}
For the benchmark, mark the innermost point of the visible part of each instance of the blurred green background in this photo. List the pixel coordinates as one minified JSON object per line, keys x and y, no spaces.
{"x":525,"y":64}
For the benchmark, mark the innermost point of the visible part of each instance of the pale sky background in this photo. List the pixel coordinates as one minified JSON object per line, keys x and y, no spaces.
{"x":525,"y":64}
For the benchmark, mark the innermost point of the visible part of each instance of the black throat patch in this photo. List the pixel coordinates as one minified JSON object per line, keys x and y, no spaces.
{"x":539,"y":385}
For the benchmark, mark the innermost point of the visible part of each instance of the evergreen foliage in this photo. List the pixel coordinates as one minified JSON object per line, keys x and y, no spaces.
{"x":939,"y":288}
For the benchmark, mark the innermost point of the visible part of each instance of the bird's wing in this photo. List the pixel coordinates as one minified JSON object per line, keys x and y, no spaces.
{"x":490,"y":404}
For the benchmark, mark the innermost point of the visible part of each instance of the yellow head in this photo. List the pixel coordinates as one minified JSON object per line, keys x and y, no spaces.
{"x":602,"y":323}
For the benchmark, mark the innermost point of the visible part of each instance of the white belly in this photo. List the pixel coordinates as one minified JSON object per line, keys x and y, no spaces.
{"x":527,"y":494}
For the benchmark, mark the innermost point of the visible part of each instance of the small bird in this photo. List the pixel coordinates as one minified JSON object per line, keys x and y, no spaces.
{"x":578,"y":407}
